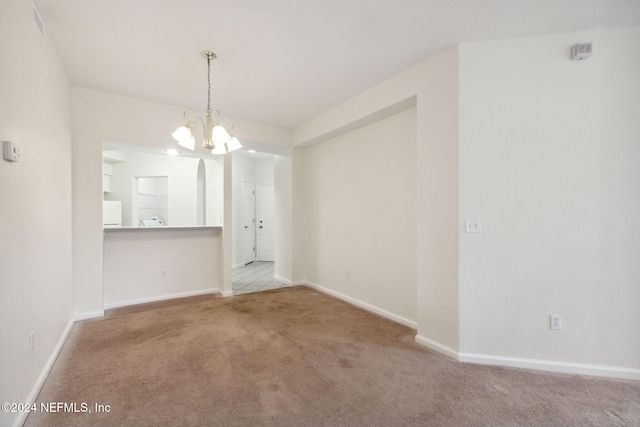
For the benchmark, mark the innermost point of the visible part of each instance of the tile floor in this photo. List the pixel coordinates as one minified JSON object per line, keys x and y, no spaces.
{"x":254,"y":277}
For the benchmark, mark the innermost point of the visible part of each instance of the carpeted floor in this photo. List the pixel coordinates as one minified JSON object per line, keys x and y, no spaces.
{"x":296,"y":357}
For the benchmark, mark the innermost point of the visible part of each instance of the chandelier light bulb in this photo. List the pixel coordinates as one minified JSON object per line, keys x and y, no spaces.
{"x":219,"y":149}
{"x":185,"y":138}
{"x":233,"y":144}
{"x":181,"y":133}
{"x":219,"y":135}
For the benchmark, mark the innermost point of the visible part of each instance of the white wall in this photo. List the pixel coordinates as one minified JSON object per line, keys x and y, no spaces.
{"x":263,"y":171}
{"x":283,"y":210}
{"x":437,"y":204}
{"x":35,"y":205}
{"x":549,"y":153}
{"x":360,"y":199}
{"x":297,"y":217}
{"x":134,"y":262}
{"x":289,"y":224}
{"x":215,"y":190}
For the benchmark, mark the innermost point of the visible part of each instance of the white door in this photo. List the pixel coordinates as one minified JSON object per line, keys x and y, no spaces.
{"x":249,"y":221}
{"x":266,"y":202}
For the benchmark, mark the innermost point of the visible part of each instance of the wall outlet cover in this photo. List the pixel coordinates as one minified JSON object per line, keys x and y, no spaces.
{"x":473,"y":225}
{"x":556,"y":321}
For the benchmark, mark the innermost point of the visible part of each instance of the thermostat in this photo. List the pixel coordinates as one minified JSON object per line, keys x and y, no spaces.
{"x":10,"y":151}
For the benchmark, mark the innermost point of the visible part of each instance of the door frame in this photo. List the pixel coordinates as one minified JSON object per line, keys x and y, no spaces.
{"x":255,"y":237}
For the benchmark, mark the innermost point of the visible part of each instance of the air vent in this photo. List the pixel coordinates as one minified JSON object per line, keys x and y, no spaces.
{"x":38,"y":20}
{"x":581,"y":51}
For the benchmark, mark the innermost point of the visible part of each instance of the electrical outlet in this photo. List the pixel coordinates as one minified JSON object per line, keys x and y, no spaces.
{"x":164,"y":274}
{"x":472,"y":225}
{"x":31,"y":342}
{"x":556,"y":321}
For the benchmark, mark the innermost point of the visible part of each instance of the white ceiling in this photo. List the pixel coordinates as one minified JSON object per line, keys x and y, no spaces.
{"x":282,"y":62}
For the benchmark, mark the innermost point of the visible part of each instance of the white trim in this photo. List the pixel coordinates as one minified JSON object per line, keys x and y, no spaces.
{"x":290,"y":282}
{"x":109,"y":229}
{"x":161,"y":298}
{"x":282,"y":279}
{"x":88,"y":315}
{"x":234,"y":266}
{"x":22,"y":416}
{"x":536,"y":364}
{"x":436,"y":346}
{"x":255,"y":228}
{"x":552,"y":366}
{"x":226,"y":294}
{"x":373,"y":309}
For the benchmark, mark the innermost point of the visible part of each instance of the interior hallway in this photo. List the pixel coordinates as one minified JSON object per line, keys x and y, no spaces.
{"x":254,"y":277}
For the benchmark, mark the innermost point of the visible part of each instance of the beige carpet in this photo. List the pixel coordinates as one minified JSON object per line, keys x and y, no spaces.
{"x":296,"y":357}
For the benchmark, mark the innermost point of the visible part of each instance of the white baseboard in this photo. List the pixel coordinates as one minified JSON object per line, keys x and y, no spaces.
{"x":291,"y":282}
{"x":373,"y":309}
{"x":226,"y":294}
{"x":234,"y":266}
{"x":161,"y":298}
{"x":536,"y":364}
{"x":436,"y":346}
{"x":88,"y":315}
{"x":282,"y":280}
{"x":22,"y":416}
{"x":552,"y":366}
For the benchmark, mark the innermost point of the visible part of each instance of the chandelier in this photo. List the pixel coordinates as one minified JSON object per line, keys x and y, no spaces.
{"x":217,"y":139}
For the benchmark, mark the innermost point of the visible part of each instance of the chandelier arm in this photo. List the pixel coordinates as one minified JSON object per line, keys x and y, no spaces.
{"x":194,"y":115}
{"x":221,"y":119}
{"x":215,"y":116}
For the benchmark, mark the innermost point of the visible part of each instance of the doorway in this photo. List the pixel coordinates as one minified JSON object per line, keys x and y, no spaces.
{"x":254,"y":277}
{"x":254,"y":222}
{"x":257,"y":272}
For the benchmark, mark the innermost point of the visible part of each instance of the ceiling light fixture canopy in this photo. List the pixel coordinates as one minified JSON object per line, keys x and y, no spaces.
{"x":217,"y":139}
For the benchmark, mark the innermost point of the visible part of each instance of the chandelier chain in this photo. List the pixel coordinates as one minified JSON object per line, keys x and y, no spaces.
{"x":209,"y":83}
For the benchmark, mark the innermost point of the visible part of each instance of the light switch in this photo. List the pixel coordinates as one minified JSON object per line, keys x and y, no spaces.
{"x":472,"y":225}
{"x":10,"y":151}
